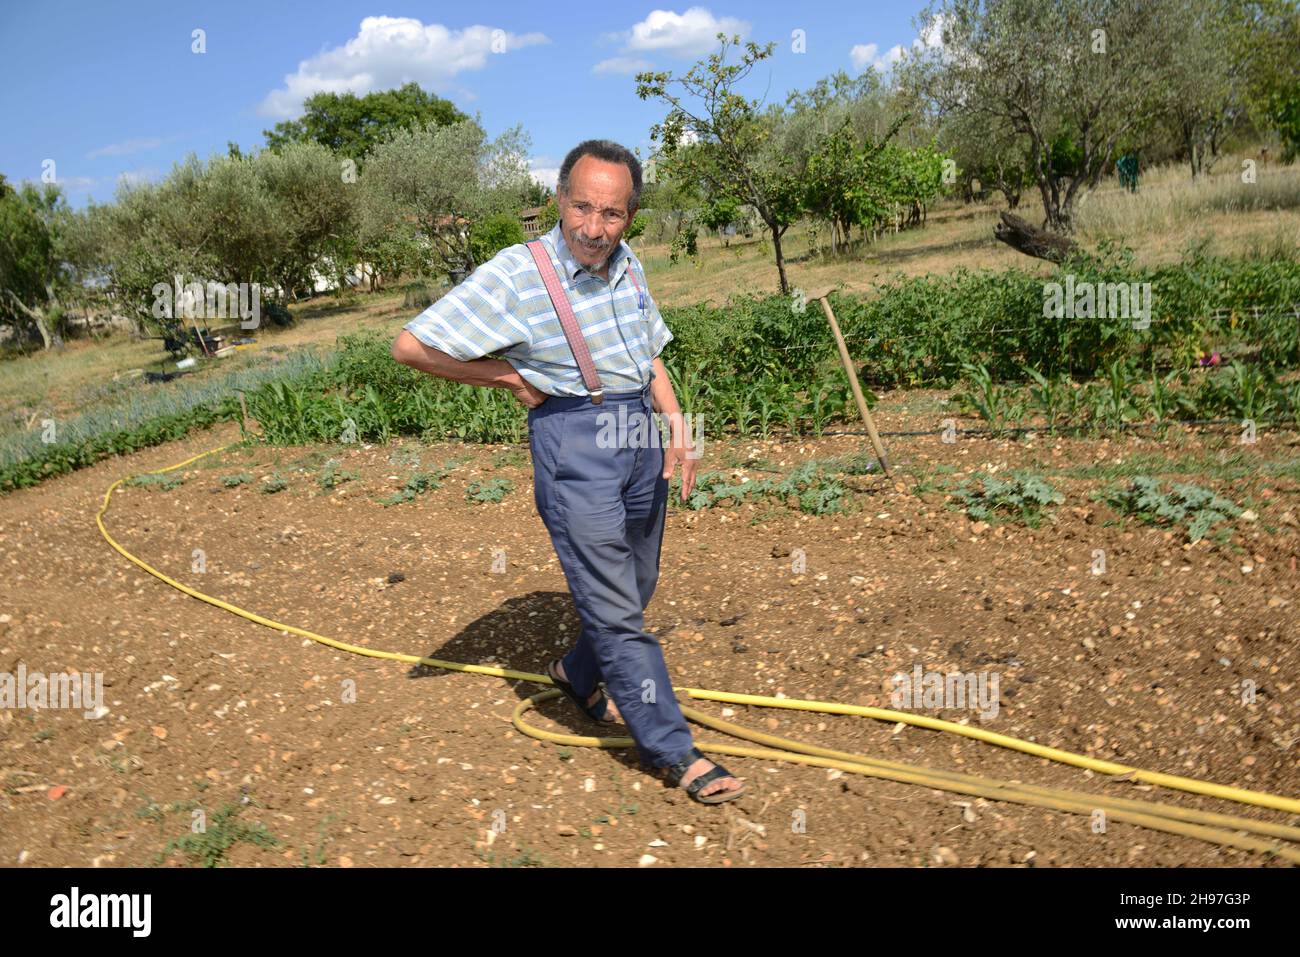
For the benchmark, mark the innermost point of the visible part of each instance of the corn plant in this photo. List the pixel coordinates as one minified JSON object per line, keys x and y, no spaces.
{"x":992,"y":402}
{"x":1118,"y":402}
{"x":1161,"y":397}
{"x":1047,"y":394}
{"x":825,"y":403}
{"x":688,"y":386}
{"x":1250,"y":392}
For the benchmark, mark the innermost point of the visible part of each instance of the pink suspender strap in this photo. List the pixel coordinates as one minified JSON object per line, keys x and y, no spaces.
{"x":568,"y":321}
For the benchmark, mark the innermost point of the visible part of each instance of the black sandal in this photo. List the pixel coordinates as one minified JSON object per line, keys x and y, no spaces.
{"x":675,"y":773}
{"x":594,"y":711}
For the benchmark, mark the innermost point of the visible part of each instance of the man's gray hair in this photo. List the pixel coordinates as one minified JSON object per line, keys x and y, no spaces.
{"x":610,"y":152}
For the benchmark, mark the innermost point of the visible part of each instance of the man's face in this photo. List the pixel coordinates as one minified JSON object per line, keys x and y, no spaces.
{"x":595,"y":210}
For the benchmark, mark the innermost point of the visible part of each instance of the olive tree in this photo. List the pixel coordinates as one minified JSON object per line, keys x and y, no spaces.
{"x":739,"y":150}
{"x":443,"y":179}
{"x":1075,"y":78}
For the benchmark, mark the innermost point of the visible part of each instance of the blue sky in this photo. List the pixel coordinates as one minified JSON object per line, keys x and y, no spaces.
{"x":112,"y":91}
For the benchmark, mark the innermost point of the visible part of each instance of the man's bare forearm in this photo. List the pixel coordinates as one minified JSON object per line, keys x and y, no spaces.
{"x":664,"y":399}
{"x":489,"y":373}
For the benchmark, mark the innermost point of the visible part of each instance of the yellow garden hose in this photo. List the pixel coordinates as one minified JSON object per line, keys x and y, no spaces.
{"x":1208,"y":826}
{"x":1160,"y":817}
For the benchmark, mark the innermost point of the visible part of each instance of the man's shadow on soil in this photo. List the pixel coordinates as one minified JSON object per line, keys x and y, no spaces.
{"x":520,"y":635}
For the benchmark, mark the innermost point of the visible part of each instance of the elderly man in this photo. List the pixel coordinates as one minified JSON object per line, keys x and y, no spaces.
{"x":604,"y":503}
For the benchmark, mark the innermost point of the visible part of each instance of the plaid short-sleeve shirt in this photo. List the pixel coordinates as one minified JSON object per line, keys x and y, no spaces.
{"x":502,"y":309}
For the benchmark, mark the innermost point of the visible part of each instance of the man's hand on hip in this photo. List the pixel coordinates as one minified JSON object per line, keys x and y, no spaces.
{"x":526,"y":393}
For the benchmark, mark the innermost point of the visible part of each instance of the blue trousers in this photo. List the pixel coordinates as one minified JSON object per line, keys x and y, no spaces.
{"x":601,"y":493}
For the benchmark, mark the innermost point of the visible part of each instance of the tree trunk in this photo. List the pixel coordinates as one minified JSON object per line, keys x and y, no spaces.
{"x":40,"y":327}
{"x":780,"y":257}
{"x":37,"y":318}
{"x":1030,"y":240}
{"x":1056,"y":218}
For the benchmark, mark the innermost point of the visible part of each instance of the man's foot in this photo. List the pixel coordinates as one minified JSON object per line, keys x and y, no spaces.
{"x":713,"y":787}
{"x":611,"y":709}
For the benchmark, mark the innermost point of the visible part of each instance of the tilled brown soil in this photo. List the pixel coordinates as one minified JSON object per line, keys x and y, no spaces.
{"x":353,"y":761}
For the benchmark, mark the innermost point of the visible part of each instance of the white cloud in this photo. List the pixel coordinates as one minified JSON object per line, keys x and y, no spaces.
{"x":390,"y":51}
{"x":622,"y":64}
{"x":85,"y":184}
{"x":685,"y":35}
{"x":546,"y":175}
{"x":134,"y":177}
{"x":931,"y":33}
{"x":688,"y":34}
{"x":73,"y":184}
{"x":544,"y":169}
{"x":863,"y":55}
{"x":127,"y":147}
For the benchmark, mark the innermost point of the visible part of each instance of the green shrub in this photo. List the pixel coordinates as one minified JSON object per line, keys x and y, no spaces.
{"x":419,"y":483}
{"x":810,"y":486}
{"x":330,"y":476}
{"x":490,"y":491}
{"x":493,"y":234}
{"x":152,"y":480}
{"x":1196,"y":508}
{"x":418,"y":295}
{"x":1022,"y":497}
{"x":208,"y":847}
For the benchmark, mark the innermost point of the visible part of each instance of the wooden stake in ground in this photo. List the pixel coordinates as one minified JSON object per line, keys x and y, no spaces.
{"x":853,"y":382}
{"x":202,"y":345}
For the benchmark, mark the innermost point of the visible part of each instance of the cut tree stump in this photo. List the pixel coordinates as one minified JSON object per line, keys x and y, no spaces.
{"x":1019,"y":234}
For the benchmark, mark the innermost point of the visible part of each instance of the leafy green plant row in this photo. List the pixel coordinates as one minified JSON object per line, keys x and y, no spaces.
{"x":140,"y":417}
{"x":764,"y":364}
{"x":1025,"y":497}
{"x":364,"y":396}
{"x":922,"y":330}
{"x":1124,"y":395}
{"x":62,"y":457}
{"x":810,"y":487}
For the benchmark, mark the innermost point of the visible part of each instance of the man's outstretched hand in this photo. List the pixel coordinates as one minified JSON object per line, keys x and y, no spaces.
{"x":679,"y":451}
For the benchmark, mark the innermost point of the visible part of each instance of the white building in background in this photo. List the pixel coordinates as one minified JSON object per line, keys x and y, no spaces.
{"x":356,"y":277}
